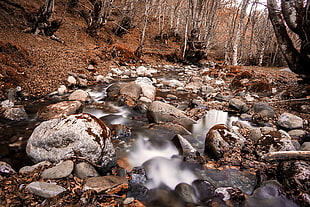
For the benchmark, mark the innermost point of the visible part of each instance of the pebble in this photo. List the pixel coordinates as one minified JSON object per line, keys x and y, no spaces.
{"x":44,"y":189}
{"x":61,"y":170}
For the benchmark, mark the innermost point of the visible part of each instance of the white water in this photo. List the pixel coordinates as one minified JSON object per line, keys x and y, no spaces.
{"x":160,"y":168}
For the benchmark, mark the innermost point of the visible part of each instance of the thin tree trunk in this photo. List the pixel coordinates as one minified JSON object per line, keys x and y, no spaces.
{"x":236,"y":43}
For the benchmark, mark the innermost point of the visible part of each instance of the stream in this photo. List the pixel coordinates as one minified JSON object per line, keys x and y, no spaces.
{"x":152,"y":152}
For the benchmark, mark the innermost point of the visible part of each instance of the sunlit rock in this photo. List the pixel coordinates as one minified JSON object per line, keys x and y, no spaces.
{"x":80,"y":135}
{"x":161,"y":112}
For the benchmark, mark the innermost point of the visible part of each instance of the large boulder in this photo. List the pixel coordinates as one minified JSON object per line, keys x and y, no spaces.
{"x":162,"y":112}
{"x":81,"y":135}
{"x":59,"y":110}
{"x":220,"y":139}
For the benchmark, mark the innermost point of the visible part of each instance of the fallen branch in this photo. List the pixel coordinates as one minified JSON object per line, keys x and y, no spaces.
{"x":287,"y":155}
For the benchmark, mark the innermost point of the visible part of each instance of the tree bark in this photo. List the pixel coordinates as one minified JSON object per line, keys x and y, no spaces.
{"x":298,"y":62}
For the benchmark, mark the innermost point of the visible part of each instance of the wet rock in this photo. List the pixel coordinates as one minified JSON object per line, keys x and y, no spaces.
{"x":187,"y":192}
{"x":170,"y":127}
{"x":15,"y":113}
{"x":290,"y":121}
{"x":84,"y":169}
{"x":263,"y":110}
{"x":81,"y":135}
{"x":59,"y":110}
{"x":44,"y":189}
{"x":108,"y":184}
{"x":228,"y":194}
{"x":131,"y":90}
{"x":245,"y":117}
{"x":61,"y":170}
{"x":79,"y":95}
{"x":72,"y":81}
{"x":5,"y":168}
{"x":186,"y":150}
{"x":274,"y":141}
{"x":205,"y":190}
{"x":113,"y":91}
{"x":220,"y":139}
{"x":269,"y":195}
{"x":175,"y":83}
{"x":164,"y":198}
{"x":28,"y":169}
{"x":161,"y":112}
{"x":305,"y":146}
{"x":120,"y":131}
{"x":295,"y":176}
{"x":136,"y":184}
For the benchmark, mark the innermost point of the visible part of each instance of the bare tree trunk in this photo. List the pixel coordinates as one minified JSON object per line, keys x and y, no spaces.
{"x":236,"y":43}
{"x":298,"y":62}
{"x":139,"y":50}
{"x":99,"y":15}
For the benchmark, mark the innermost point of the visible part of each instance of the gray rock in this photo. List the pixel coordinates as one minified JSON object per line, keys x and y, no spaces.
{"x":82,"y":82}
{"x":263,"y":110}
{"x":80,"y":135}
{"x":305,"y":146}
{"x":297,"y":133}
{"x":296,"y":175}
{"x":161,"y":112}
{"x":269,"y":195}
{"x":59,"y":110}
{"x":15,"y":113}
{"x":131,"y":90}
{"x":28,"y":169}
{"x":274,"y":141}
{"x":84,"y":169}
{"x":255,"y":134}
{"x":148,"y":91}
{"x":61,"y":170}
{"x":290,"y":121}
{"x":221,"y":139}
{"x":44,"y":189}
{"x":238,"y":104}
{"x":185,"y":149}
{"x":187,"y":192}
{"x":104,"y":183}
{"x":79,"y":95}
